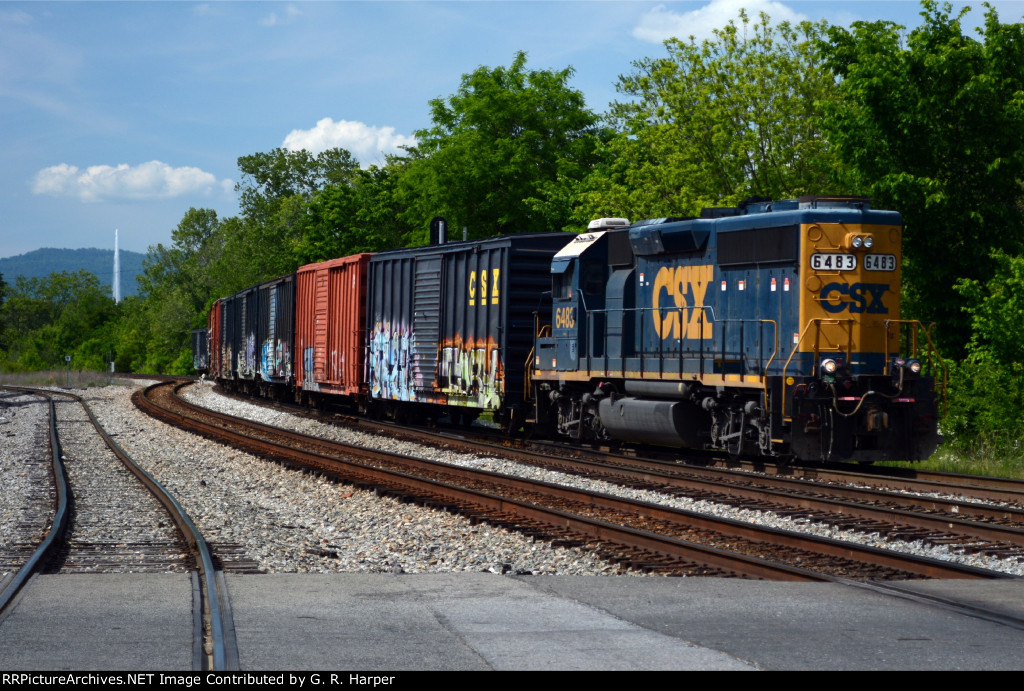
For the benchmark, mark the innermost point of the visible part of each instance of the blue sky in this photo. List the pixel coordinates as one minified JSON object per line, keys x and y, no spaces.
{"x":125,"y":114}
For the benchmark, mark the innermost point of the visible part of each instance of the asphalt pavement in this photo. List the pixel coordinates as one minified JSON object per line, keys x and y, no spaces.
{"x":375,"y":623}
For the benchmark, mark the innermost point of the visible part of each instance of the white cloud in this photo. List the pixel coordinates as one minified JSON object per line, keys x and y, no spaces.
{"x":291,"y":12}
{"x":15,"y":17}
{"x":153,"y":180}
{"x":366,"y":143}
{"x":661,"y":23}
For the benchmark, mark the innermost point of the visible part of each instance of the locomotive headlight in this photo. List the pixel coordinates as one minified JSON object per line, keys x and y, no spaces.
{"x":829,"y":366}
{"x":857,"y":242}
{"x":869,"y":242}
{"x":914,"y":366}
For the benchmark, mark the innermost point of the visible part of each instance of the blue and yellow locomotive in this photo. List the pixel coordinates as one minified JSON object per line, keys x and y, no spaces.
{"x":772,"y":328}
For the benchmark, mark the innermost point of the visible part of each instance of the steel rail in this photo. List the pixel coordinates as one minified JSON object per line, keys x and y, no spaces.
{"x":921,"y":566}
{"x":801,"y":493}
{"x":660,"y":473}
{"x":985,"y":488}
{"x":589,"y":527}
{"x":779,"y":490}
{"x":213,"y":602}
{"x":58,"y":526}
{"x":1002,"y":489}
{"x":963,"y":608}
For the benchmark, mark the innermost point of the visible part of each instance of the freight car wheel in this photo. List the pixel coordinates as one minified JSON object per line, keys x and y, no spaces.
{"x":512,"y":420}
{"x":469,"y":417}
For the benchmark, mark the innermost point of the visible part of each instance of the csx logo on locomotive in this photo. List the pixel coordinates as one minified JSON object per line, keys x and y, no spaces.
{"x":857,"y":298}
{"x":686,"y":285}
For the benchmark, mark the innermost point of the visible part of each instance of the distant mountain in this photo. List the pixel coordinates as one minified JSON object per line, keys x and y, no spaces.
{"x":41,"y":263}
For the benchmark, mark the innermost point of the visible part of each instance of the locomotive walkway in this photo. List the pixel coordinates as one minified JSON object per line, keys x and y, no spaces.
{"x":381,"y":623}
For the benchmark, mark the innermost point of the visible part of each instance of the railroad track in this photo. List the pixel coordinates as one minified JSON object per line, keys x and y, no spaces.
{"x":655,"y":538}
{"x":113,"y":516}
{"x":957,"y":487}
{"x":982,"y":516}
{"x":972,"y":523}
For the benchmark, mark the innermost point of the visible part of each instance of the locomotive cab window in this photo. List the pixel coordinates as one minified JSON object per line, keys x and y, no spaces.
{"x":562,"y":283}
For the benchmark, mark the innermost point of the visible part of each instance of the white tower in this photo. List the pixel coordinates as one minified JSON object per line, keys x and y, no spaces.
{"x":117,"y":271}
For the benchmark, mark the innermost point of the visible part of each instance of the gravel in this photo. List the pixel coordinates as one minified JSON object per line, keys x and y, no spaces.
{"x":204,"y":395}
{"x":116,"y":522}
{"x":291,"y":521}
{"x":25,"y":469}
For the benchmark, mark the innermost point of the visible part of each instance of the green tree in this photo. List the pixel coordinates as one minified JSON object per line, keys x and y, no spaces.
{"x":500,"y":150}
{"x":272,"y":176}
{"x":276,"y":189}
{"x":45,"y":319}
{"x":934,"y":127}
{"x":176,"y":286}
{"x":987,"y":387}
{"x":715,"y":122}
{"x":350,"y":217}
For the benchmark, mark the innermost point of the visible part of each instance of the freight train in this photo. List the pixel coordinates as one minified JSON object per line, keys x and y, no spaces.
{"x":770,"y":329}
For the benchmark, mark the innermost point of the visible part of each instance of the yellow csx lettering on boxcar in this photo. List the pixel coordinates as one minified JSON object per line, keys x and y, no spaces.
{"x":682,"y":287}
{"x":478,"y":287}
{"x":565,"y":318}
{"x":859,"y":297}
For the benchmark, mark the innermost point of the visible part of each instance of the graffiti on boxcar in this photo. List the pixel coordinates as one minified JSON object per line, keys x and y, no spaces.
{"x":247,"y":363}
{"x":275,"y":359}
{"x":472,"y":369}
{"x":225,"y":360}
{"x":309,"y":382}
{"x":391,"y":372}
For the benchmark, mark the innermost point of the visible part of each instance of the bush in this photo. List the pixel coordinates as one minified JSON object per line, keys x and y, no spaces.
{"x":987,"y":386}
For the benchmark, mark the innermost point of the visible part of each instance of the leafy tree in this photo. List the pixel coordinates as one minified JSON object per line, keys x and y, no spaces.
{"x":45,"y":319}
{"x":500,"y":150}
{"x":934,"y":127}
{"x":270,"y":177}
{"x":131,"y":336}
{"x":715,"y":122}
{"x":275,"y":191}
{"x":177,"y":284}
{"x":987,"y":391}
{"x":378,"y":210}
{"x":344,"y":218}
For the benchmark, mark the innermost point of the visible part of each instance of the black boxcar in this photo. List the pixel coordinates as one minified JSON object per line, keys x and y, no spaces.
{"x":275,"y":331}
{"x":452,"y":325}
{"x":239,"y":317}
{"x":200,"y":350}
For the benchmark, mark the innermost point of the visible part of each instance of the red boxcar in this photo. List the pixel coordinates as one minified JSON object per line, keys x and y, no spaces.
{"x":330,"y":317}
{"x":216,"y":364}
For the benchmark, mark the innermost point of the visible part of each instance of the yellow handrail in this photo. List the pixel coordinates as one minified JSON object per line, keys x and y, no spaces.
{"x":816,"y":322}
{"x":915,"y":352}
{"x":528,"y":370}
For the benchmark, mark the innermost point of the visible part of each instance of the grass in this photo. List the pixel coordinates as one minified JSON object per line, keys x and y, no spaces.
{"x":992,"y":457}
{"x":75,"y":379}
